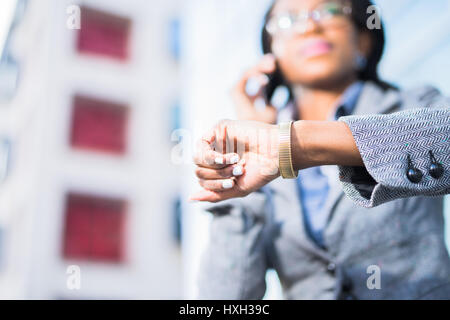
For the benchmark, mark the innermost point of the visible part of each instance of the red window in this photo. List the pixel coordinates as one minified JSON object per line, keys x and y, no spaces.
{"x":99,"y":125}
{"x":103,"y":34}
{"x":94,"y":228}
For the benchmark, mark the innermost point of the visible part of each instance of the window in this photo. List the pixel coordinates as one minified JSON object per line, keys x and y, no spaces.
{"x":103,"y":34}
{"x":99,"y":125}
{"x":174,"y":38}
{"x":2,"y":249}
{"x":11,"y":13}
{"x":177,"y":220}
{"x":9,"y":76}
{"x":94,"y":228}
{"x":4,"y":158}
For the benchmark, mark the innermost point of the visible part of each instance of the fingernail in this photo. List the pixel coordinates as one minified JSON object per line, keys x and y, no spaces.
{"x":234,"y":159}
{"x":237,"y":171}
{"x":264,"y":79}
{"x":218,"y":160}
{"x":252,"y":87}
{"x":227,"y":184}
{"x":269,"y":57}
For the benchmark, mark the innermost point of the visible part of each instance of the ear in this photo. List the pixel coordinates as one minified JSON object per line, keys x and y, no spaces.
{"x":364,"y":43}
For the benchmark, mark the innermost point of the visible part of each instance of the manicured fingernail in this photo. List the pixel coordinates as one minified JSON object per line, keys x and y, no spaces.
{"x":227,"y":184}
{"x":218,"y":160}
{"x":268,"y":57}
{"x":264,"y":79}
{"x":237,"y":171}
{"x":252,"y":87}
{"x":269,"y":60}
{"x":234,"y":159}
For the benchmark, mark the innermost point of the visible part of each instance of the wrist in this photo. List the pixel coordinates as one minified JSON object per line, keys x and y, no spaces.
{"x":302,"y":143}
{"x":286,"y":151}
{"x":320,"y":143}
{"x":274,"y":134}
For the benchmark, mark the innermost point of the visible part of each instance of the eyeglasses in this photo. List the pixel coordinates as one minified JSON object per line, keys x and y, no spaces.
{"x":327,"y":14}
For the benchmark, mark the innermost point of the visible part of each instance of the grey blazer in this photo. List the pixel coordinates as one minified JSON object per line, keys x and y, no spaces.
{"x":385,"y":141}
{"x":392,"y":251}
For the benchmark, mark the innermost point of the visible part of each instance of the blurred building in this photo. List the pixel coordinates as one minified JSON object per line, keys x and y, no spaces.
{"x":85,"y":171}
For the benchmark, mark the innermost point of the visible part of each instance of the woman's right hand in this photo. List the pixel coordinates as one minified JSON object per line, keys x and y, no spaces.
{"x":245,"y":104}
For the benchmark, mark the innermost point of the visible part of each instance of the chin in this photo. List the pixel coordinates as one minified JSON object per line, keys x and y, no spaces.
{"x":315,"y":74}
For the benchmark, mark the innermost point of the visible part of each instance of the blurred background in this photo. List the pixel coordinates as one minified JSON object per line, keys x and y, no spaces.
{"x":97,"y":125}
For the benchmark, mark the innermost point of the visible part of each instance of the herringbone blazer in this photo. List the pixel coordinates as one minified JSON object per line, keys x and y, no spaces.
{"x":402,"y":239}
{"x":386,"y":141}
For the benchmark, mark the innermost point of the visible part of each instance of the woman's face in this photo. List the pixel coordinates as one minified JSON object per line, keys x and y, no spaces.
{"x":323,"y":53}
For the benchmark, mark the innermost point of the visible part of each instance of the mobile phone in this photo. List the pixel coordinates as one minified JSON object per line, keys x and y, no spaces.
{"x":276,"y":93}
{"x":270,"y":91}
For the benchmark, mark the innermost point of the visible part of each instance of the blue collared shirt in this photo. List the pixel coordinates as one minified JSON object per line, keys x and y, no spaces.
{"x":313,"y":185}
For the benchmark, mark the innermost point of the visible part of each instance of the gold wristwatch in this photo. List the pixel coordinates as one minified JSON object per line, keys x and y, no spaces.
{"x":285,"y":151}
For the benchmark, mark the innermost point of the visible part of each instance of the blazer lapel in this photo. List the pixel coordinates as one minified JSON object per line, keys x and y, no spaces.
{"x":372,"y":100}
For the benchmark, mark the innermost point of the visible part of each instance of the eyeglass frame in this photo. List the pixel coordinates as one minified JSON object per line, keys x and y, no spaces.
{"x":346,"y":10}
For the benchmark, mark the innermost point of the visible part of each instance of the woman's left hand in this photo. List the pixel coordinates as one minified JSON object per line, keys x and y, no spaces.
{"x":251,"y":163}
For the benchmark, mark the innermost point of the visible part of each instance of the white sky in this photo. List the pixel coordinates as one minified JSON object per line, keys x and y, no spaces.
{"x":6,"y":13}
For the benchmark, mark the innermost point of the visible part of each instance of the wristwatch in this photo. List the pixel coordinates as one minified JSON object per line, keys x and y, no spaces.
{"x":285,"y":151}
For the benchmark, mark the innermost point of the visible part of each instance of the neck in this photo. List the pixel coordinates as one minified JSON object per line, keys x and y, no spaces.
{"x":316,"y":103}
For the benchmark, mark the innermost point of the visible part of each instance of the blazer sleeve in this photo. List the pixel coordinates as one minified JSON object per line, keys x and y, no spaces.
{"x":234,"y":263}
{"x":386,"y":141}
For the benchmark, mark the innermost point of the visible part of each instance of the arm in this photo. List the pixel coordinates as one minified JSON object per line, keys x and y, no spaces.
{"x":317,"y":143}
{"x":385,"y":142}
{"x":350,"y":144}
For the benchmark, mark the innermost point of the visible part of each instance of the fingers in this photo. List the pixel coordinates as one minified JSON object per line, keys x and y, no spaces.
{"x":266,"y":66}
{"x":223,"y":173}
{"x":217,"y":185}
{"x":206,"y":195}
{"x":215,"y":160}
{"x":212,"y":196}
{"x":248,"y":93}
{"x":219,"y":179}
{"x":206,"y":156}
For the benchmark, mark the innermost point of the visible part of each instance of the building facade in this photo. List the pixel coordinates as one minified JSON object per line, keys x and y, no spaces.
{"x":88,"y":192}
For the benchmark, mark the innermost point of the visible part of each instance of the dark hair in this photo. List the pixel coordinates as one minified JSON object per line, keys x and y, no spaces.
{"x":359,"y":18}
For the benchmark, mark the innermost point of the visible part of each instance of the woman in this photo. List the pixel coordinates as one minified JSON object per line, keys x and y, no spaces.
{"x":388,"y":174}
{"x":322,"y":245}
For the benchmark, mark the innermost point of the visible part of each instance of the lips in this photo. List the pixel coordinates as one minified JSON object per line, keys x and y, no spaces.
{"x":315,"y":47}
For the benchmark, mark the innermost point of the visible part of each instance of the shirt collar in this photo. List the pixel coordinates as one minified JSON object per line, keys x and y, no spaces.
{"x":347,"y":103}
{"x":344,"y":107}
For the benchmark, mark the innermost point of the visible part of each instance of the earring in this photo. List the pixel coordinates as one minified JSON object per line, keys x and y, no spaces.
{"x":360,"y":61}
{"x":436,"y":169}
{"x":412,"y":173}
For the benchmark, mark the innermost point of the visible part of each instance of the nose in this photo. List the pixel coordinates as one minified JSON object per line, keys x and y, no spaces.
{"x":312,"y":26}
